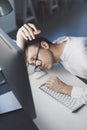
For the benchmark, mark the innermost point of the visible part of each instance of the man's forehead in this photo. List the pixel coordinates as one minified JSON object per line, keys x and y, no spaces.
{"x":32,"y":49}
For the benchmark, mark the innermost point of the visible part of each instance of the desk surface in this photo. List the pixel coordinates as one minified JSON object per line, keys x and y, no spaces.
{"x":51,"y":115}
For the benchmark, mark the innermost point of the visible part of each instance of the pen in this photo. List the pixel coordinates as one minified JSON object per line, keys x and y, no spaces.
{"x":43,"y":84}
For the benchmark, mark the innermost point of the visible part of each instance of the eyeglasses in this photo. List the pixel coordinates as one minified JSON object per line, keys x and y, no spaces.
{"x":37,"y":67}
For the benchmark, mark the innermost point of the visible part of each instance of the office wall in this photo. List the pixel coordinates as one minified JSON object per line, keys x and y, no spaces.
{"x":19,"y":7}
{"x":8,"y":22}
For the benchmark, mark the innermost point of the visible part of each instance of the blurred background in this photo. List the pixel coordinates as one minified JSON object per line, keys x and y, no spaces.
{"x":54,"y":17}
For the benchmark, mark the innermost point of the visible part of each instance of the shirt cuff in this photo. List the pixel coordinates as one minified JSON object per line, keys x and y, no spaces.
{"x":77,"y":92}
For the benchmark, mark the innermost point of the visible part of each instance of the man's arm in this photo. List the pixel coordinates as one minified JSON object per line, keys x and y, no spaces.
{"x":27,"y":31}
{"x":59,"y":86}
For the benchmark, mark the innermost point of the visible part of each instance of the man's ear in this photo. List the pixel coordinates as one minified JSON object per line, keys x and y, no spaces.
{"x":44,"y":45}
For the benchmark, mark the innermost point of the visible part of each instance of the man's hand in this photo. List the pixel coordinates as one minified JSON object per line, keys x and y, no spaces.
{"x":57,"y":85}
{"x":27,"y":31}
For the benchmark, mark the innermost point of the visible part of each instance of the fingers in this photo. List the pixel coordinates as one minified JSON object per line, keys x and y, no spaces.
{"x":36,"y":31}
{"x":28,"y":31}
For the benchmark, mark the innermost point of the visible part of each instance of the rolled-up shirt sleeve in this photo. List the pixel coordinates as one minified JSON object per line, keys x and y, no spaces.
{"x":80,"y":92}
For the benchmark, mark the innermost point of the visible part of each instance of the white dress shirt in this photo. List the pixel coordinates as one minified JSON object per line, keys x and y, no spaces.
{"x":74,"y":59}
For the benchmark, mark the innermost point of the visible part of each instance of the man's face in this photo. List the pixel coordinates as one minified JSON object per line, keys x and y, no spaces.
{"x":45,"y":57}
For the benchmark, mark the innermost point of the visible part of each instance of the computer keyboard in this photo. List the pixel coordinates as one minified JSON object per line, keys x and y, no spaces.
{"x":73,"y":104}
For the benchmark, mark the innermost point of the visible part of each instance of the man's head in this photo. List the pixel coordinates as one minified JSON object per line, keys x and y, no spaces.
{"x":38,"y":53}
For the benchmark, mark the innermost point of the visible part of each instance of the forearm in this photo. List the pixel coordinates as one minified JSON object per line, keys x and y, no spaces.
{"x":20,"y":41}
{"x":64,"y":89}
{"x":67,"y":89}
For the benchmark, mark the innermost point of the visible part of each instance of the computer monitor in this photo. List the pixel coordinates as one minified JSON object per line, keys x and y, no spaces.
{"x":12,"y":63}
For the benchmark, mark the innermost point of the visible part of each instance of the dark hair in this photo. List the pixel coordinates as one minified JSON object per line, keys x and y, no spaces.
{"x":35,"y":42}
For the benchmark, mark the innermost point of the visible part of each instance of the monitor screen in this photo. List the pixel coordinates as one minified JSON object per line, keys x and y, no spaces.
{"x":14,"y":69}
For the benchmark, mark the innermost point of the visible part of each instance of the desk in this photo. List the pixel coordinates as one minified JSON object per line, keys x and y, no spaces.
{"x":51,"y":115}
{"x":17,"y":120}
{"x":12,"y":116}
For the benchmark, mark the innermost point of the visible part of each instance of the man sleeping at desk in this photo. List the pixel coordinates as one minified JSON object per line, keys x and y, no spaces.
{"x":71,"y":52}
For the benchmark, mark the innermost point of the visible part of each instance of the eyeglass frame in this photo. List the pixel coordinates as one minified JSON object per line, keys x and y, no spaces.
{"x":37,"y":66}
